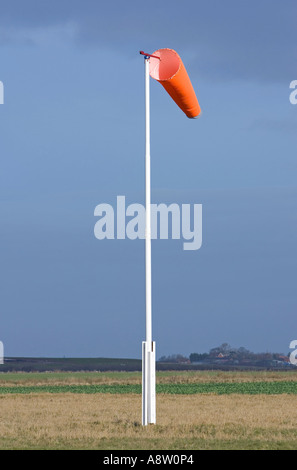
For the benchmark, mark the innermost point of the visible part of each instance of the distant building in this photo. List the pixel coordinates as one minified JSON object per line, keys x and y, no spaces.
{"x":284,"y":358}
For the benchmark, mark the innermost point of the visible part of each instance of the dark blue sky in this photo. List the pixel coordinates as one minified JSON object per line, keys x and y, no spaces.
{"x":72,"y":137}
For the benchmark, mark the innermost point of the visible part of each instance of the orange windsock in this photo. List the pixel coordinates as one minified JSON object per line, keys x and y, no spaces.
{"x":169,"y":70}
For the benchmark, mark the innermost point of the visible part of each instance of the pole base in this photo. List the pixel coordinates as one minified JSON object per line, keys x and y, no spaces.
{"x":148,"y":383}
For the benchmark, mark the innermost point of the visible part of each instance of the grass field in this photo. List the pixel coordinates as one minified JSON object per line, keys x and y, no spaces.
{"x":195,"y":410}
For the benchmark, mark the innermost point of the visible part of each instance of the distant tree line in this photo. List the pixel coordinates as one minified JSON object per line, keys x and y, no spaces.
{"x":175,"y":358}
{"x":228,"y":355}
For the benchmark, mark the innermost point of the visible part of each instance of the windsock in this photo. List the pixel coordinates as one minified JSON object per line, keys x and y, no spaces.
{"x":167,"y":68}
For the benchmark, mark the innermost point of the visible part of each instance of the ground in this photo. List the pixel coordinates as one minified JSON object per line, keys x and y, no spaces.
{"x":67,"y":420}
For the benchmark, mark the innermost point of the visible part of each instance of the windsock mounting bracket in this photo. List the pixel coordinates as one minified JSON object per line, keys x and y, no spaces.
{"x":146,"y":56}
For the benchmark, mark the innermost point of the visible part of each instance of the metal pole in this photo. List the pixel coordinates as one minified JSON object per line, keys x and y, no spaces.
{"x":148,"y":273}
{"x":148,"y":346}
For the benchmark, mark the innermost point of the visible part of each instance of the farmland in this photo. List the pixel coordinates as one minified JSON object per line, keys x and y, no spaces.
{"x":195,"y":410}
{"x":248,"y":388}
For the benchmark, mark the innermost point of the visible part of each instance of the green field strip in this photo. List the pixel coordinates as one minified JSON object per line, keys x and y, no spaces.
{"x":250,"y":388}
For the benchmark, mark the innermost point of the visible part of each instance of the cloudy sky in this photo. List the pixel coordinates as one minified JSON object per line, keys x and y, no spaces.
{"x":72,"y":137}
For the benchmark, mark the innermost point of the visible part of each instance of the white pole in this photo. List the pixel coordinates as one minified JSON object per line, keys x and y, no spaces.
{"x":148,"y":273}
{"x":148,"y":346}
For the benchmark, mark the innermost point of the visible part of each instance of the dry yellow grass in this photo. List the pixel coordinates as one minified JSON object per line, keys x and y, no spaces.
{"x":102,"y":421}
{"x":108,"y":378}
